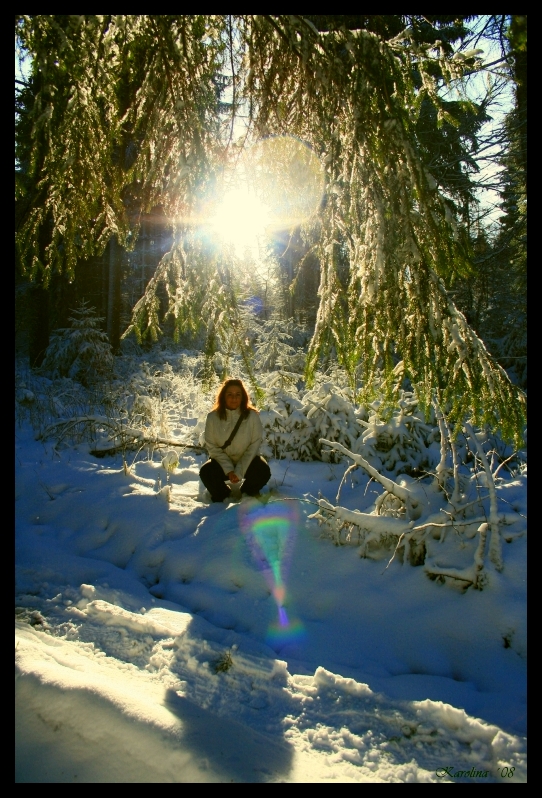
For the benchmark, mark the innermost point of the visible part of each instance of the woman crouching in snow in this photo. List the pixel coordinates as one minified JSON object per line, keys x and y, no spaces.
{"x":233,"y":436}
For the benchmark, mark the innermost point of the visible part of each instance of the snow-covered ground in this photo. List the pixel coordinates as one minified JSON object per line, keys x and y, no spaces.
{"x":179,"y":641}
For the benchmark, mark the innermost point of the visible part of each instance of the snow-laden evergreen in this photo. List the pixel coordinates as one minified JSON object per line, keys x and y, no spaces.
{"x":273,"y":349}
{"x":81,"y":351}
{"x":389,"y":236}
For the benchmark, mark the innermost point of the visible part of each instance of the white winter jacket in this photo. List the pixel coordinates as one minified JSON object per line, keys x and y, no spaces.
{"x":244,"y":447}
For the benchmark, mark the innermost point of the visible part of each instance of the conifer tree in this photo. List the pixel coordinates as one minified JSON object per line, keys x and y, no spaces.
{"x":127,"y":107}
{"x":273,"y":349}
{"x":81,"y":351}
{"x":493,"y":297}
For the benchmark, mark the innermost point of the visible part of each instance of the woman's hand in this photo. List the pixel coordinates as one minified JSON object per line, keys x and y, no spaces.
{"x":232,"y":476}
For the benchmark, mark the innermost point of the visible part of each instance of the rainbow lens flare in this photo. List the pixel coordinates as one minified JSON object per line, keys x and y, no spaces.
{"x":269,"y":532}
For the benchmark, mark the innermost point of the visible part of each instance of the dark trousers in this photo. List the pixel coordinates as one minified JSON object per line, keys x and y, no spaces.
{"x":213,"y":477}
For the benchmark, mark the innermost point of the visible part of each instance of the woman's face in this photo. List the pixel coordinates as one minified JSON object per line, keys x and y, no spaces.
{"x":233,"y":397}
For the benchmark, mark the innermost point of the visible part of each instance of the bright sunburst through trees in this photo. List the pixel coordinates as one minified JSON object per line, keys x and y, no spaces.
{"x":277,"y":184}
{"x":239,"y":127}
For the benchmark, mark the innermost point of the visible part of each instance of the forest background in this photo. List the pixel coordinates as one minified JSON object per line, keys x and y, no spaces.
{"x":379,"y":260}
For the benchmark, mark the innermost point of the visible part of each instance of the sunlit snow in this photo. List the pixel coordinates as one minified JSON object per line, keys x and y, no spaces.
{"x":179,"y":641}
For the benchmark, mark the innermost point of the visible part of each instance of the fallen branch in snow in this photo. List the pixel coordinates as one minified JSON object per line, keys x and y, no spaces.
{"x":120,"y":438}
{"x":401,"y":533}
{"x":367,"y":521}
{"x":373,"y":529}
{"x":411,"y":501}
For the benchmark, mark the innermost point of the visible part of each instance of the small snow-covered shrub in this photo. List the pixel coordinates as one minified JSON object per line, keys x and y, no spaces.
{"x":295,"y":421}
{"x":288,"y":433}
{"x":82,"y":351}
{"x":41,"y":400}
{"x":30,"y":403}
{"x":273,"y":348}
{"x":333,"y":416}
{"x":398,"y":440}
{"x":162,"y":399}
{"x":142,"y":408}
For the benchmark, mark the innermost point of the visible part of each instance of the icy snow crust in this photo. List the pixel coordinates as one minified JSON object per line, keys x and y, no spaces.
{"x":147,"y":646}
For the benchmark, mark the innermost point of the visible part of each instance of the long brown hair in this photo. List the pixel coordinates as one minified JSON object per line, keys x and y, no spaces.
{"x":220,"y":401}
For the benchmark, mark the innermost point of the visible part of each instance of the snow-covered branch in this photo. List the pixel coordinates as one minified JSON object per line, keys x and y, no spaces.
{"x":399,"y":491}
{"x":372,"y":523}
{"x":120,"y":436}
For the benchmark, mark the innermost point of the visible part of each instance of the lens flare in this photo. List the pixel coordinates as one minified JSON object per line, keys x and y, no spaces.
{"x":270,"y":532}
{"x":285,"y":633}
{"x":240,"y":219}
{"x":288,"y":179}
{"x":277,"y":185}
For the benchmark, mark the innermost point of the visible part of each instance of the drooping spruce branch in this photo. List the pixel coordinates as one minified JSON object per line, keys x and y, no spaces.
{"x":120,"y":116}
{"x":354,"y":97}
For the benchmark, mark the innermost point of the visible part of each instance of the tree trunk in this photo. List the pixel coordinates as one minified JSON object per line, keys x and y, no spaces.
{"x":518,"y":39}
{"x":113,"y":297}
{"x":38,"y":324}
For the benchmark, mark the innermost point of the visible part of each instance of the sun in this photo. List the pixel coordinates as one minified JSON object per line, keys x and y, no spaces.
{"x":278,"y":184}
{"x":240,"y":220}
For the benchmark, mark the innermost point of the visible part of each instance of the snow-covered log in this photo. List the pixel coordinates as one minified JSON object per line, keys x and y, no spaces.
{"x":119,"y":436}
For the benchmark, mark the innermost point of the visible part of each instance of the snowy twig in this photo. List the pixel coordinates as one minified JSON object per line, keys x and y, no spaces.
{"x":374,"y":523}
{"x":503,"y":463}
{"x":479,"y":554}
{"x":456,"y":464}
{"x":512,"y":506}
{"x":343,"y":480}
{"x":401,"y":537}
{"x":454,"y":523}
{"x":495,"y":553}
{"x":445,"y":441}
{"x":467,"y":575}
{"x":294,"y":499}
{"x":462,"y":507}
{"x":128,"y":469}
{"x":441,"y":467}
